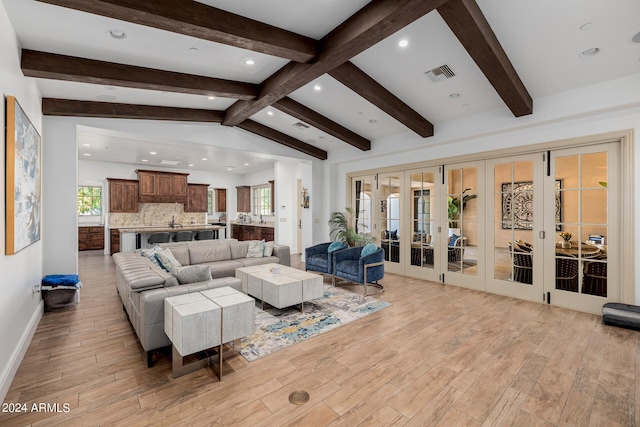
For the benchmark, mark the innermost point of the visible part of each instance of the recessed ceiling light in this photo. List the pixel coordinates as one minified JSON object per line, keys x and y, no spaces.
{"x":153,"y":153}
{"x":317,"y":88}
{"x":230,"y":168}
{"x":636,"y":38}
{"x":270,"y":113}
{"x":86,"y":154}
{"x":193,"y":49}
{"x":144,"y":160}
{"x":117,"y":34}
{"x":586,"y":27}
{"x":454,"y":95}
{"x":246,"y":164}
{"x":86,"y":145}
{"x":249,"y":62}
{"x":190,"y":165}
{"x":590,"y":52}
{"x":403,"y":43}
{"x":211,"y":98}
{"x":204,"y":158}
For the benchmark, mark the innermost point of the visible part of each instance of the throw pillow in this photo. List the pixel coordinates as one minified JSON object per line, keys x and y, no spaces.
{"x":394,"y":235}
{"x":334,"y":246}
{"x":151,"y":254}
{"x":268,"y":248}
{"x":453,"y":239}
{"x":368,"y":249}
{"x":256,"y":249}
{"x":191,"y":274}
{"x":167,"y":260}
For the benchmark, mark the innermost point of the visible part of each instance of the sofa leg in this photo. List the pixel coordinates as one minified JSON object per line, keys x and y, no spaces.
{"x":149,"y":359}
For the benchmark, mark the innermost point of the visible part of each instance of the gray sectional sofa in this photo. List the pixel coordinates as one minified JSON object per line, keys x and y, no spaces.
{"x":143,"y":286}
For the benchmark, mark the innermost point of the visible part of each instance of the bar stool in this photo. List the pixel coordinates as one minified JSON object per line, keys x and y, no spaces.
{"x":162,"y":237}
{"x":183,"y":236}
{"x":204,"y":235}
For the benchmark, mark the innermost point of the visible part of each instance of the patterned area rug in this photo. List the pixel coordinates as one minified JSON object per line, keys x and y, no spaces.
{"x":277,"y":329}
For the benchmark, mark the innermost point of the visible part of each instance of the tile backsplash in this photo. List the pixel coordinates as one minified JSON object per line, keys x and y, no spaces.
{"x":156,"y":214}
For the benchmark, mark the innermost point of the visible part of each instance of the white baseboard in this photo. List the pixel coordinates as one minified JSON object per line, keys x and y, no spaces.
{"x":6,"y":377}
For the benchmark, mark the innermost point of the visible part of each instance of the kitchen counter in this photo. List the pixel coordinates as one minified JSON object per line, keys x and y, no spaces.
{"x":160,"y":228}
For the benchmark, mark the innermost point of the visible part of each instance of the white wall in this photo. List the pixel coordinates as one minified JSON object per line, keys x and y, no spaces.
{"x":20,"y":309}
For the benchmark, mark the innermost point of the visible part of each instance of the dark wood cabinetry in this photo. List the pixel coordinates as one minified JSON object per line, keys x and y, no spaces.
{"x":114,"y":237}
{"x":221,"y":199}
{"x":123,"y":195}
{"x":251,"y":232}
{"x":244,"y":198}
{"x":162,"y":187}
{"x":272,"y":184}
{"x":197,"y":198}
{"x":90,"y":238}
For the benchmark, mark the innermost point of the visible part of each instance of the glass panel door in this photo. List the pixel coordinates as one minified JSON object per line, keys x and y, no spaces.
{"x":461,"y":261}
{"x":391,"y":225}
{"x":362,"y":206}
{"x":422,"y":242}
{"x":585,"y":229}
{"x":514,"y":221}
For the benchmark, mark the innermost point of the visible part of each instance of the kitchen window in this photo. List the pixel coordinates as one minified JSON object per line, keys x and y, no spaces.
{"x":89,"y":200}
{"x":262,"y":200}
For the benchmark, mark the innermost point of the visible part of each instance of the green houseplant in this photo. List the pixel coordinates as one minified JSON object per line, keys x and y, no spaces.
{"x":457,"y":204}
{"x":342,"y":229}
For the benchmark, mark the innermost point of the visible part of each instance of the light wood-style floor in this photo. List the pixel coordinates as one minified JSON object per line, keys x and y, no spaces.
{"x":439,"y":355}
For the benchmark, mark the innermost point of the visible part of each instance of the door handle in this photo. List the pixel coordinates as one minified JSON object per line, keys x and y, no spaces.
{"x":300,"y":223}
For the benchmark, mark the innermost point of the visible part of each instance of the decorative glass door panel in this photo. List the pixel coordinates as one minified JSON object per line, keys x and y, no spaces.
{"x":422,"y":244}
{"x":363,"y":203}
{"x":584,"y":226}
{"x":514,"y":221}
{"x":390,"y":207}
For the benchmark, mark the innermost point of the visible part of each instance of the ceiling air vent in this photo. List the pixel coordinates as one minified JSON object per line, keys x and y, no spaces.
{"x":300,"y":125}
{"x":440,"y":73}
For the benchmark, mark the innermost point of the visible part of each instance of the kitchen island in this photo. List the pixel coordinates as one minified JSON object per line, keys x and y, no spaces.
{"x":136,"y":236}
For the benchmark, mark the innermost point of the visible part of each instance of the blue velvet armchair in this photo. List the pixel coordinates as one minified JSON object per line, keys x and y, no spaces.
{"x":366,"y":270}
{"x":319,"y":259}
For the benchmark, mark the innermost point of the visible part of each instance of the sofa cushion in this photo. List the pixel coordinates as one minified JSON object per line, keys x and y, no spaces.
{"x":191,"y":274}
{"x":248,"y":262}
{"x":239,"y":249}
{"x":368,"y":249}
{"x":224,"y":268}
{"x":205,"y":254}
{"x":167,"y":260}
{"x":268,"y":248}
{"x":256,"y":249}
{"x":181,"y":254}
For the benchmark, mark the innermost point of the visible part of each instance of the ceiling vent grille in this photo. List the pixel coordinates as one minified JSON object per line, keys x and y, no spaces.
{"x":440,"y":73}
{"x":300,"y":125}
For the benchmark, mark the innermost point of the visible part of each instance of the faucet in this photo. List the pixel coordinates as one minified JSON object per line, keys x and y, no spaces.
{"x":261,"y":221}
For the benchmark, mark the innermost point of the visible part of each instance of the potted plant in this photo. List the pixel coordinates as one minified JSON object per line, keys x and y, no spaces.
{"x":342,"y":229}
{"x":456,"y":205}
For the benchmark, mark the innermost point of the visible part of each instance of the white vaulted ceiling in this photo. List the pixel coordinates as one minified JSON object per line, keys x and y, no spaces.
{"x":543,"y":39}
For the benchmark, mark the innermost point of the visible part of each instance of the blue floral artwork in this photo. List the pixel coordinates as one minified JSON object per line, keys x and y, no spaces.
{"x":23,"y":180}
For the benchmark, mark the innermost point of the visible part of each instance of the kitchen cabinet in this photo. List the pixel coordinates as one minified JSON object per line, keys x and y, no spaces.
{"x":197,"y":197}
{"x":123,"y":195}
{"x":114,"y":239}
{"x":162,"y":187}
{"x":251,"y":232}
{"x":90,"y":238}
{"x":221,"y":200}
{"x":244,"y":198}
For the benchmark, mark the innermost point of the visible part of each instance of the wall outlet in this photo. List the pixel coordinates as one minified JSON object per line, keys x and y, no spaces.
{"x":283,"y":219}
{"x":36,"y":289}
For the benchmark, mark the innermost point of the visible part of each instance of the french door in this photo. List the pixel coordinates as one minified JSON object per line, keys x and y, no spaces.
{"x":514,"y":222}
{"x":461,"y":246}
{"x":422,"y":246}
{"x":390,"y":219}
{"x":583,"y":272}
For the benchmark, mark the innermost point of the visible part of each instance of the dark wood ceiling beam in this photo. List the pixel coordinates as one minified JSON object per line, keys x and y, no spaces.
{"x":110,"y":110}
{"x":281,"y":138}
{"x":373,"y":23}
{"x":69,"y":68}
{"x":358,"y":81}
{"x":317,"y":120}
{"x":469,"y":24}
{"x":204,"y":22}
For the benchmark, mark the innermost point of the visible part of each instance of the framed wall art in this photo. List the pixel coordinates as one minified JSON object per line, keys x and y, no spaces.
{"x":23,"y":179}
{"x":517,"y":205}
